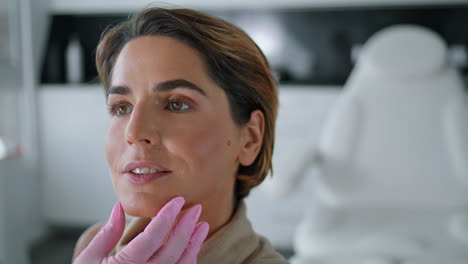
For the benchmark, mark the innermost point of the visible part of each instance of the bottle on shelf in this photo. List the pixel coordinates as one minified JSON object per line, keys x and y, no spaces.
{"x":74,"y":65}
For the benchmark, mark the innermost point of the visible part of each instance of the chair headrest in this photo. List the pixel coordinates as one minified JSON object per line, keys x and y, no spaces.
{"x":406,"y":51}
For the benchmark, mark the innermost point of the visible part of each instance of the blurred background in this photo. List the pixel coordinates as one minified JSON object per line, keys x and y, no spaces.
{"x":52,"y":106}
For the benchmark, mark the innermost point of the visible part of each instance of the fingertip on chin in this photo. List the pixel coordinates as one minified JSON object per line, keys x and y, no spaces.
{"x":117,"y":219}
{"x":179,"y":200}
{"x":202,"y":230}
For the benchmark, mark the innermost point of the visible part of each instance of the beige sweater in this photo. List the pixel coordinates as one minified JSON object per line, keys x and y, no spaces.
{"x":235,"y":243}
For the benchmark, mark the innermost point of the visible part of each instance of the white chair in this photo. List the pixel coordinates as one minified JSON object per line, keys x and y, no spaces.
{"x":393,"y":160}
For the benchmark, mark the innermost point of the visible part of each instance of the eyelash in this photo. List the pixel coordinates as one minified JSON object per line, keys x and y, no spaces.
{"x":113,"y":109}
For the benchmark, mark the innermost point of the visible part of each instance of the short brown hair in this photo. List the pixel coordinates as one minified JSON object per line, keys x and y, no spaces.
{"x":233,"y":61}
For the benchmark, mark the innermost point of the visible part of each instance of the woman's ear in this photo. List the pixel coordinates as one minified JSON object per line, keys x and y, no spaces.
{"x":252,"y":138}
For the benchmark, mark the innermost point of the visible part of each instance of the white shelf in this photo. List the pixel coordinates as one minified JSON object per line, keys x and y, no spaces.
{"x":124,"y":6}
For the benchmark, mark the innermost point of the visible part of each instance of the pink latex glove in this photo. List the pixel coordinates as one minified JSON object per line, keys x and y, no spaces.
{"x":181,"y":247}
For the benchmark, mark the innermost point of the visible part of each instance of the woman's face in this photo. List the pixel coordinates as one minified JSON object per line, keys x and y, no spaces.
{"x":170,"y":132}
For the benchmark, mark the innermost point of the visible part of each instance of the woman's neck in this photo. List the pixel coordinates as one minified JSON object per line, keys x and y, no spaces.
{"x":217,"y":212}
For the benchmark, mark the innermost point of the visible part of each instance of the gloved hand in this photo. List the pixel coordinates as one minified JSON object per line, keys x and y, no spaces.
{"x":181,"y":247}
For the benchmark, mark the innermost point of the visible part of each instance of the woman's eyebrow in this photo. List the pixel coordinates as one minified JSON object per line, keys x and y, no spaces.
{"x":161,"y":87}
{"x":118,"y":90}
{"x":178,"y":83}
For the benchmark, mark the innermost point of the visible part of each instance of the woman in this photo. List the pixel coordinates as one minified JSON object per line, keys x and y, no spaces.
{"x":193,"y":105}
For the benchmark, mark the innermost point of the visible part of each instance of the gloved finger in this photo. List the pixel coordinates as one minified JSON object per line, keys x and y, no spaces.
{"x":196,"y":241}
{"x":145,"y":244}
{"x":179,"y":237}
{"x":108,"y":237}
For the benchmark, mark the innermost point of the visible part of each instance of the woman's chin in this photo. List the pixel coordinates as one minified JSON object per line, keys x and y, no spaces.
{"x":141,"y":211}
{"x":141,"y":207}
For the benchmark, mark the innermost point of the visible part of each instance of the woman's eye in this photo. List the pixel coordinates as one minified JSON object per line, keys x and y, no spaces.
{"x":121,"y":109}
{"x":177,"y":105}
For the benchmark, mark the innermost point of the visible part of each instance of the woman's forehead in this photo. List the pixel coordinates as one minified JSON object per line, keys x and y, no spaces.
{"x":159,"y":59}
{"x":160,"y":52}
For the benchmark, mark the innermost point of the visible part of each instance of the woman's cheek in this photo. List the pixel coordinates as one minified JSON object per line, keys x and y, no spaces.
{"x":201,"y":142}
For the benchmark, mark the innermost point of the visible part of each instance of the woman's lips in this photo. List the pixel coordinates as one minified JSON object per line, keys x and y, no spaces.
{"x":144,"y":178}
{"x":141,"y":177}
{"x":144,"y":164}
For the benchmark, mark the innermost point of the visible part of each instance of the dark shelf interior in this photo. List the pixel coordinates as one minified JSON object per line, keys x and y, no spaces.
{"x":329,"y":33}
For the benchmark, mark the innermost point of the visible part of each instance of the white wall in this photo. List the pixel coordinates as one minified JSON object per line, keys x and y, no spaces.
{"x":21,"y":220}
{"x":3,"y":227}
{"x":32,"y":26}
{"x":40,"y":21}
{"x":14,"y":220}
{"x":19,"y":225}
{"x":301,"y":114}
{"x":77,"y":186}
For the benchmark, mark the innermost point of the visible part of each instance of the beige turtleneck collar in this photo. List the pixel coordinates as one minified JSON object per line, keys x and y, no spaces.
{"x":234,"y":243}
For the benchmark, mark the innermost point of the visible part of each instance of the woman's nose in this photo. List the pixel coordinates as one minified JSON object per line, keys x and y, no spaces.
{"x":142,"y":128}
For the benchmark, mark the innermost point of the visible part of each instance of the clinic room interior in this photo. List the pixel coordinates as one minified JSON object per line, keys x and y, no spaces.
{"x":370,"y":157}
